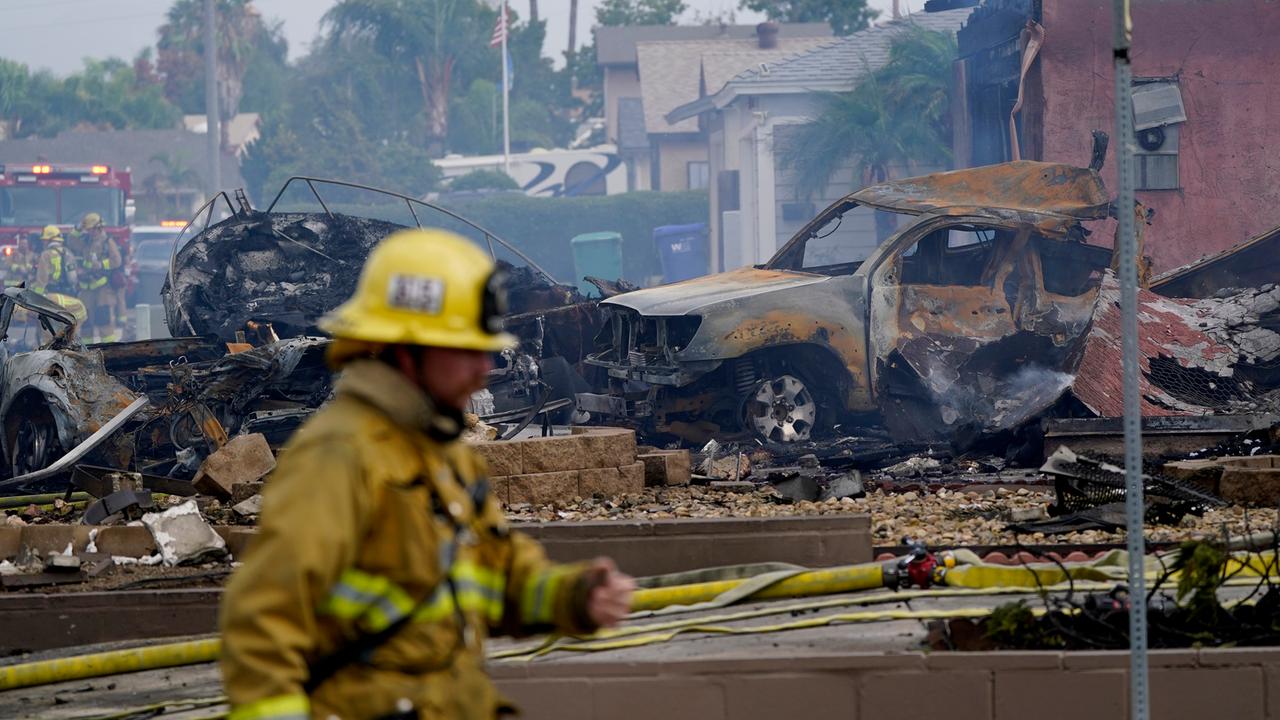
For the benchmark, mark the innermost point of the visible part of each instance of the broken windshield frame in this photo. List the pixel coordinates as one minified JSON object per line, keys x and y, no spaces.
{"x":410,"y":202}
{"x":44,"y":309}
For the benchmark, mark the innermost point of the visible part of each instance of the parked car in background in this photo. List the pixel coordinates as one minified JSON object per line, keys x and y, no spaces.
{"x":152,"y":248}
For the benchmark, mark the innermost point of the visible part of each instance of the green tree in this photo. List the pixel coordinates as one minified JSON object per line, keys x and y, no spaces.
{"x":107,"y":94}
{"x":14,"y":81}
{"x":897,"y":115}
{"x":342,"y":117}
{"x":163,"y":189}
{"x":483,"y":180}
{"x":428,"y":35}
{"x":639,"y":12}
{"x":844,"y":16}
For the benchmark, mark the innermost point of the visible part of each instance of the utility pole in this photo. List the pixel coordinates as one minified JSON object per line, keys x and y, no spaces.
{"x":573,"y":42}
{"x":506,"y":95}
{"x":1134,"y":506}
{"x":211,"y":97}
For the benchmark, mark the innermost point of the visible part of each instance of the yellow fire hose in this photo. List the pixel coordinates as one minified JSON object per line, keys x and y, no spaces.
{"x":964,"y":579}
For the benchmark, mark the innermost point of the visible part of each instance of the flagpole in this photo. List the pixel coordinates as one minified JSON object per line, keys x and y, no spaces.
{"x":506,"y":92}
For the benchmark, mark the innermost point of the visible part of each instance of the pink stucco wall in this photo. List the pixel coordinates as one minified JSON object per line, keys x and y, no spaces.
{"x":1227,"y":55}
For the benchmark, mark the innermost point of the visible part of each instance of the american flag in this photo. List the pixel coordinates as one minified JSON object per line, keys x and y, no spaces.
{"x":499,"y":28}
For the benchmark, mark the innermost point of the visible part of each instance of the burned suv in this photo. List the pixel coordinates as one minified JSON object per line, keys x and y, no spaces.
{"x":964,"y":316}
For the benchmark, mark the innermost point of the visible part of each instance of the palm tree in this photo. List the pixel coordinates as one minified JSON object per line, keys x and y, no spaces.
{"x":427,"y":35}
{"x":181,"y":49}
{"x":175,"y":176}
{"x":897,"y":115}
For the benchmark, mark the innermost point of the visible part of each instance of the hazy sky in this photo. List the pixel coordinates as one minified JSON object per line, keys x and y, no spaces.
{"x":57,"y":34}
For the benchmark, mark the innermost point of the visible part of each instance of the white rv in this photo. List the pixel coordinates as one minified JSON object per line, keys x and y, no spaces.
{"x":551,"y":173}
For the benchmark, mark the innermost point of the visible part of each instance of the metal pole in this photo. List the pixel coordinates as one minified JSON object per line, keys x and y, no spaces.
{"x":211,"y":98}
{"x":506,"y":92}
{"x":1134,"y":505}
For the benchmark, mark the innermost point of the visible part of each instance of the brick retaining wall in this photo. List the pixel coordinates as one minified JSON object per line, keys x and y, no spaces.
{"x":1239,"y":684}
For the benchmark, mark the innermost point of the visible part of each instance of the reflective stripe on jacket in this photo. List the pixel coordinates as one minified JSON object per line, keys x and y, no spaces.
{"x":365,"y":521}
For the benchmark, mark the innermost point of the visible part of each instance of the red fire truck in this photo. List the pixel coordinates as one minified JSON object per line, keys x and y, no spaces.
{"x":33,"y":195}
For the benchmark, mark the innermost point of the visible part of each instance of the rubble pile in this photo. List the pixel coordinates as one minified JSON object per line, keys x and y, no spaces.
{"x":285,"y":268}
{"x":942,"y":518}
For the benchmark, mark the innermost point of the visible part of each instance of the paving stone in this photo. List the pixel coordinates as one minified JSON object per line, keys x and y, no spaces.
{"x":1235,"y":693}
{"x":542,"y":488}
{"x":607,"y":447}
{"x":245,"y":458}
{"x":632,"y":477}
{"x":553,"y":454}
{"x":1205,"y":473}
{"x":666,"y":467}
{"x":968,"y":695}
{"x":826,"y":695}
{"x":1253,"y":485}
{"x":605,"y":482}
{"x":503,"y":458}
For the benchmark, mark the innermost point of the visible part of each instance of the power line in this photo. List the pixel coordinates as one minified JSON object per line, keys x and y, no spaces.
{"x":84,"y":21}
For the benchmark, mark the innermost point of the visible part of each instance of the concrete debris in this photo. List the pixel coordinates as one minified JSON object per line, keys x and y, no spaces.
{"x":849,"y":485}
{"x":666,"y":467}
{"x":244,"y":459}
{"x":734,"y":466}
{"x":476,"y":429}
{"x":183,"y":536}
{"x":58,"y":562}
{"x":914,"y":467}
{"x":801,"y":487}
{"x":117,"y":508}
{"x":252,"y":507}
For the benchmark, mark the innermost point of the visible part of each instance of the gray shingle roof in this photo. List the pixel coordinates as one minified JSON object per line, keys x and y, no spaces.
{"x":631,"y":134}
{"x":847,"y":59}
{"x":122,"y":149}
{"x":671,"y":72}
{"x":617,"y":45}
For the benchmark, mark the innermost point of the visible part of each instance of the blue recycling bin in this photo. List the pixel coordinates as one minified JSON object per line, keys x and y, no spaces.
{"x":684,"y":250}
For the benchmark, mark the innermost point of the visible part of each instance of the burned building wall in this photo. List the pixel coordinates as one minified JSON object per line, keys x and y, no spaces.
{"x":1222,"y":56}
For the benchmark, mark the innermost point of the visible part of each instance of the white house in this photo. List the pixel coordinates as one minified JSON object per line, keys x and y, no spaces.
{"x":754,"y":204}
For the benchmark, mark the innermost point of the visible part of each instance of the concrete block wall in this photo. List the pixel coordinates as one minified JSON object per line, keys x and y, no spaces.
{"x":1241,"y":684}
{"x":591,"y":461}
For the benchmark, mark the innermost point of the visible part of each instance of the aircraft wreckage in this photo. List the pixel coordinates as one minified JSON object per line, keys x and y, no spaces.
{"x":244,"y":294}
{"x":984,"y":311}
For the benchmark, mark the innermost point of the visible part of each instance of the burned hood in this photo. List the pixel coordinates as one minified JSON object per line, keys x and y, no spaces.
{"x":1023,"y":186}
{"x":694,"y":296}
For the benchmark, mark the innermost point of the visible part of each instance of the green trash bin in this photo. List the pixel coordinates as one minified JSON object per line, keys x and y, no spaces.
{"x":598,"y":254}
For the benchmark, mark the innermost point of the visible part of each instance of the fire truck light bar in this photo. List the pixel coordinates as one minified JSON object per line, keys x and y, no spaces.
{"x":55,"y":169}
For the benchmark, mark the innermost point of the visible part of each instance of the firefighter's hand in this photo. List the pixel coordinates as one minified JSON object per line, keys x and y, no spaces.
{"x":610,"y":599}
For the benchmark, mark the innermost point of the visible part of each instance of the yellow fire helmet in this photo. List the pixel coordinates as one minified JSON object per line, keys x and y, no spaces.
{"x":51,"y":232}
{"x":425,"y":287}
{"x":91,"y":220}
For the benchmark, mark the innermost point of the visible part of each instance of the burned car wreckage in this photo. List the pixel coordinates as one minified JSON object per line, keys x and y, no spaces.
{"x":984,"y":310}
{"x":244,"y":295}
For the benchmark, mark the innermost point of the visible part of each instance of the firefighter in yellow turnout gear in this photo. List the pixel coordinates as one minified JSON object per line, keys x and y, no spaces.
{"x":56,"y":274}
{"x":382,"y":561}
{"x":101,"y":257}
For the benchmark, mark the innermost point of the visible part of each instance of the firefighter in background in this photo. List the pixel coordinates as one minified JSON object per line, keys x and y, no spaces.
{"x":56,"y":274}
{"x":92,"y":228}
{"x":20,"y":265}
{"x":100,"y":261}
{"x":383,"y":559}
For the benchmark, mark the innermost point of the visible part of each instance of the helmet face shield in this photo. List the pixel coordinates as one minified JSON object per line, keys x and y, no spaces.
{"x":493,"y":305}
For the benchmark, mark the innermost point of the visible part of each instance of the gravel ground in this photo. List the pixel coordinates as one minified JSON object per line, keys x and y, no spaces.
{"x":940,"y":518}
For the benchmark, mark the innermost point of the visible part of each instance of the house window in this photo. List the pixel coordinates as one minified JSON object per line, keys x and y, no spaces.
{"x":1158,"y":116}
{"x":699,"y":175}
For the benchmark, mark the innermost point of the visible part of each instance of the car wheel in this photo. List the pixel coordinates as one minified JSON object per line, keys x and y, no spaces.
{"x":781,"y":410}
{"x":36,"y":444}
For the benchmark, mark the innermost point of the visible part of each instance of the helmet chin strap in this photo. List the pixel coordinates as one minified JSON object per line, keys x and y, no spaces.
{"x":446,"y":422}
